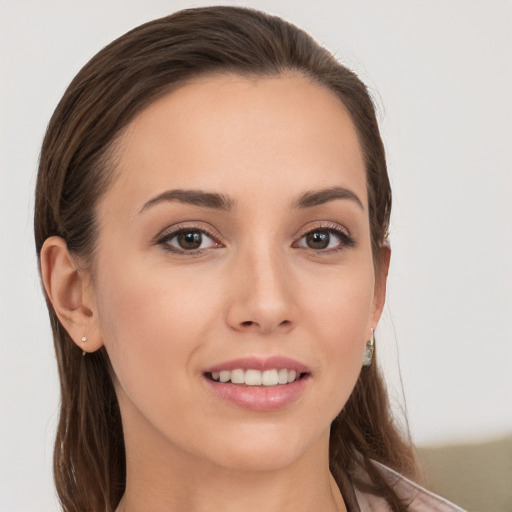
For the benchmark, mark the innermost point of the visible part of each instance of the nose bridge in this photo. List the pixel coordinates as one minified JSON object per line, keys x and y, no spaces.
{"x":262,"y":297}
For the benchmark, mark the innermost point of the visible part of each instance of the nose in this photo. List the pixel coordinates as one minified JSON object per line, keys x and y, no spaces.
{"x":261,"y":299}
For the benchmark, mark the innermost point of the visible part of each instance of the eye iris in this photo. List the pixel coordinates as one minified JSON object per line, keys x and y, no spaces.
{"x":190,"y":240}
{"x":318,"y":239}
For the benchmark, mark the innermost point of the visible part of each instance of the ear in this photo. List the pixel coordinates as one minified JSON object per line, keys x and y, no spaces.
{"x":70,"y":292}
{"x":381,"y":277}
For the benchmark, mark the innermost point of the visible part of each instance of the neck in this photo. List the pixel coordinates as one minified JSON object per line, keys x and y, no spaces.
{"x":163,"y":477}
{"x":250,"y":493}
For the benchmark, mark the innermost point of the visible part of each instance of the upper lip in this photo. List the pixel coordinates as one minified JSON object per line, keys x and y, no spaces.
{"x":260,"y":363}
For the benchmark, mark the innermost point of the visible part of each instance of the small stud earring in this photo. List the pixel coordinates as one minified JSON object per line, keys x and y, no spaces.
{"x":368,"y":353}
{"x":84,"y":339}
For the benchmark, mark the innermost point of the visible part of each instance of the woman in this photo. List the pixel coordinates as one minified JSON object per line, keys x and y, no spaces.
{"x":211,"y":215}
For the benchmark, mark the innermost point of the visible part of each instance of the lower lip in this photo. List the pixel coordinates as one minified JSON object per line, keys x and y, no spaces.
{"x":259,"y":398}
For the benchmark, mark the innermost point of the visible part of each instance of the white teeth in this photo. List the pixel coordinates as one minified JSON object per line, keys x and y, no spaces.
{"x":252,"y":377}
{"x":270,"y":378}
{"x":237,"y":377}
{"x":256,"y":377}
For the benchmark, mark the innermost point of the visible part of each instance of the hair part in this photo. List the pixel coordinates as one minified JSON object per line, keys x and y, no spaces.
{"x":76,"y":168}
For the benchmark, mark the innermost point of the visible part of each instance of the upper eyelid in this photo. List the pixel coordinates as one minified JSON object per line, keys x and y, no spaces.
{"x":186,"y":226}
{"x":326,"y":225}
{"x":213,"y":233}
{"x":165,"y":237}
{"x":344,"y":236}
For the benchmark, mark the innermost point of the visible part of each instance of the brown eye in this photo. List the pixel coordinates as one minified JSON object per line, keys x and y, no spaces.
{"x":326,"y":240}
{"x":189,"y":240}
{"x":318,"y":239}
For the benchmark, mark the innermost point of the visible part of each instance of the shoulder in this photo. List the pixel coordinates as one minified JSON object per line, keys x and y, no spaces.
{"x":418,"y":498}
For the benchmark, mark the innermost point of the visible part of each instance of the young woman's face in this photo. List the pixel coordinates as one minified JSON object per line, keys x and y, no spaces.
{"x":234,"y":244}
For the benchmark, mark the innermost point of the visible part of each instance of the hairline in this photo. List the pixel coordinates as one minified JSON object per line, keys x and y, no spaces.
{"x":110,"y":156}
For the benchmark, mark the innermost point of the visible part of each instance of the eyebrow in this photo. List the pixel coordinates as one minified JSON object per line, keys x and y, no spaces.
{"x":194,"y":197}
{"x":322,"y":196}
{"x":222,"y":202}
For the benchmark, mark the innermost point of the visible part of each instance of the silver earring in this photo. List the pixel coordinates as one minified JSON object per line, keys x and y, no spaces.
{"x":368,"y":352}
{"x":84,"y":339}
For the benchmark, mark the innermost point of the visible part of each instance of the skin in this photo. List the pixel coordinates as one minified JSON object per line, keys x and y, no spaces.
{"x":255,"y":287}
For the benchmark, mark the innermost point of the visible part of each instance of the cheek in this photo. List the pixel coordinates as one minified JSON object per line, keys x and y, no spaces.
{"x":148,"y":302}
{"x":339,"y":319}
{"x":152,"y":323}
{"x":340,"y":309}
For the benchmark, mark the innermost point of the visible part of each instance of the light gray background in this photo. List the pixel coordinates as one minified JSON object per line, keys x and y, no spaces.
{"x":441,"y":75}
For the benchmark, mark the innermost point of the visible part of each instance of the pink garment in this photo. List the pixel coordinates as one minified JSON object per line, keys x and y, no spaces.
{"x":419,"y":499}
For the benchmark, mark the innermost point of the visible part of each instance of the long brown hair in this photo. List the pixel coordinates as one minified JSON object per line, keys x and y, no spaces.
{"x":76,"y":169}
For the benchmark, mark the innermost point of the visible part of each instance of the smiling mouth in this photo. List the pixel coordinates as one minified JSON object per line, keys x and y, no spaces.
{"x":252,"y":377}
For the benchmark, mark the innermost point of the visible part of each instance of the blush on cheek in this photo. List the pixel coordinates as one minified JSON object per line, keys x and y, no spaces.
{"x":143,"y":314}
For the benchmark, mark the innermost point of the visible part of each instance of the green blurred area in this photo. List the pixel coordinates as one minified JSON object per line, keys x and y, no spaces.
{"x":476,"y":476}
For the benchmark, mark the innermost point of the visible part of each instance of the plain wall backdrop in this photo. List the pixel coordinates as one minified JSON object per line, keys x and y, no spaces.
{"x":441,"y":75}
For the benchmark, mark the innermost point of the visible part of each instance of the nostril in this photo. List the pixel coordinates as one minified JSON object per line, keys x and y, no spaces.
{"x":265,"y":327}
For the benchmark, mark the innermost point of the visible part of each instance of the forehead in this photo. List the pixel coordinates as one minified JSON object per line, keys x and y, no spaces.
{"x":230,"y":134}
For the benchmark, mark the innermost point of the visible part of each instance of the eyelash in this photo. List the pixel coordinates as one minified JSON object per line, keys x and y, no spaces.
{"x":166,"y":237}
{"x":345,"y":240}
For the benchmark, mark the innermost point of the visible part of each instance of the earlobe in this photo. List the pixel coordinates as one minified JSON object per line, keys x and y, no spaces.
{"x":65,"y":286}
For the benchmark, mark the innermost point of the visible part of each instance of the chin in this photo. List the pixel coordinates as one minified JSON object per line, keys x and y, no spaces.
{"x":263,"y":449}
{"x":259,"y":460}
